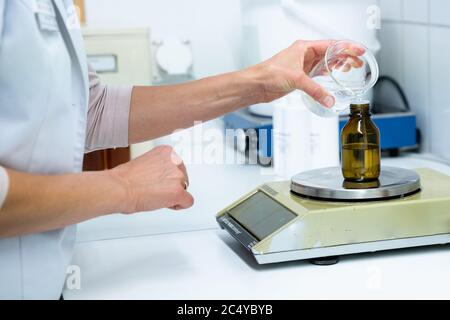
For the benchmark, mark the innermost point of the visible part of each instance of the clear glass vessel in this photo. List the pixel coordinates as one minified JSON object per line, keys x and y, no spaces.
{"x":348,"y":71}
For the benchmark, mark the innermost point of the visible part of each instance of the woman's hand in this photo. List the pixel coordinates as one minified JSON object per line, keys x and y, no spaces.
{"x":157,"y":179}
{"x":289,"y":69}
{"x":39,"y":203}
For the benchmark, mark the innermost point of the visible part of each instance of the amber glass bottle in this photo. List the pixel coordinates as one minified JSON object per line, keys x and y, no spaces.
{"x":360,"y":140}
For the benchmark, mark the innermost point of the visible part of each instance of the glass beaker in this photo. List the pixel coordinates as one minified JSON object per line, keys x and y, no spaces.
{"x":348,"y":71}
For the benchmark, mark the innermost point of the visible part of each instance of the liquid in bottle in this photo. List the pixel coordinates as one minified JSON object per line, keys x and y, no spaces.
{"x":360,"y":140}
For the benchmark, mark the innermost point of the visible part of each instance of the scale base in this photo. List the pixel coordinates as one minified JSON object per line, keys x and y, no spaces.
{"x":325,"y":261}
{"x":330,"y":255}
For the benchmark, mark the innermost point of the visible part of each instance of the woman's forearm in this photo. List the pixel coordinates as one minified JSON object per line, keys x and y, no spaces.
{"x":159,"y":110}
{"x":38,"y":203}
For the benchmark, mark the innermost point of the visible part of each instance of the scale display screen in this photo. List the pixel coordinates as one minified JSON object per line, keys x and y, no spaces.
{"x":261,"y":215}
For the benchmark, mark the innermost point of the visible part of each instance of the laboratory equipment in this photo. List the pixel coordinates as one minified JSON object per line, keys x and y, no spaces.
{"x":389,"y":123}
{"x":173,"y":61}
{"x":120,"y":56}
{"x":244,"y":121}
{"x":348,"y":71}
{"x":360,"y":145}
{"x":314,"y":216}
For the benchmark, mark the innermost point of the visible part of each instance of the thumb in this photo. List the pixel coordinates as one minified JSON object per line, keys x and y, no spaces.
{"x":184,"y":201}
{"x":316,"y":91}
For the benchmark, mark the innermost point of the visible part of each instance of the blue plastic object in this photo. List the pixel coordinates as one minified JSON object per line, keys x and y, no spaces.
{"x":397,"y":130}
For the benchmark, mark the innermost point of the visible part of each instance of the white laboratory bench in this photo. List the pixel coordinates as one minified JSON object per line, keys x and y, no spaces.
{"x":184,"y":255}
{"x":209,"y":264}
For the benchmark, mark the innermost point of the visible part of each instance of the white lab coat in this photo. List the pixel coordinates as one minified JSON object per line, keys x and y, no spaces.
{"x":43,"y":101}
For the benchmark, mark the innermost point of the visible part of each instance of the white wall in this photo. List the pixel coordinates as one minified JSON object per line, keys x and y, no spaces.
{"x":415,"y":39}
{"x":213,"y":26}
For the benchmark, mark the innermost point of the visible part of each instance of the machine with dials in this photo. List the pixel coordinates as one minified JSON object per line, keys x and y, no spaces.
{"x":319,"y":217}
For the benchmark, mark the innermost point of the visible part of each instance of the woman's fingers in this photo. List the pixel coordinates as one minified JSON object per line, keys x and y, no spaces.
{"x":176,"y":159}
{"x":350,"y":49}
{"x":183,"y":201}
{"x":320,"y":46}
{"x":345,"y":60}
{"x":316,"y":91}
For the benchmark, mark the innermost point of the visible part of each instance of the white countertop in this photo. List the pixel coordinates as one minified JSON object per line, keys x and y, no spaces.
{"x":210,"y":264}
{"x":184,"y":255}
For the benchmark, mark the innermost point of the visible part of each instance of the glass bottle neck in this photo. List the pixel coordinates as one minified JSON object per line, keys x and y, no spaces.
{"x":359,"y":110}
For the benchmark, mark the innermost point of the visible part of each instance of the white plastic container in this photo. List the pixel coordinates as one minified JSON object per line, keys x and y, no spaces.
{"x":301,"y":140}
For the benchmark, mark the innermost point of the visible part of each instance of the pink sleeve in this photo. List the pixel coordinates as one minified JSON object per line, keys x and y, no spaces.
{"x":108,"y":115}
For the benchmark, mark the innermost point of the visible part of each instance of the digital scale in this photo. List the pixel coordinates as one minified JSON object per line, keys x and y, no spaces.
{"x":320,"y":217}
